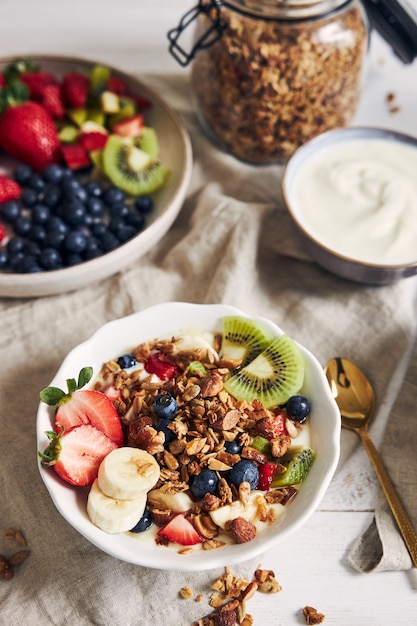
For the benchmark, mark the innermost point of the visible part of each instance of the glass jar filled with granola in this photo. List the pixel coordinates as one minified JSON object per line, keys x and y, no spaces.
{"x":268,"y":75}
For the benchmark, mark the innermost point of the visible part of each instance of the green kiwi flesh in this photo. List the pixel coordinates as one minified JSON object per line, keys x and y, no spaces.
{"x":272,"y":377}
{"x":148,"y":142}
{"x":116,"y":165}
{"x":243,"y":339}
{"x":298,"y":462}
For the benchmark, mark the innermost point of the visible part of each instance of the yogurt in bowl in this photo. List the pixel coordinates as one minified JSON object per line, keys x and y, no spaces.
{"x":352,"y":194}
{"x":164,"y":322}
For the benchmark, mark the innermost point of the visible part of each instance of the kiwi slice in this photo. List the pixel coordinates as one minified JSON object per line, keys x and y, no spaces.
{"x":298,"y":462}
{"x":130,"y":168}
{"x":272,"y":377}
{"x":148,"y":142}
{"x":243,"y":339}
{"x":99,"y":79}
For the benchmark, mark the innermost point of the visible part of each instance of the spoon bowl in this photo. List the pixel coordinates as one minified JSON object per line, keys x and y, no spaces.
{"x":356,"y":401}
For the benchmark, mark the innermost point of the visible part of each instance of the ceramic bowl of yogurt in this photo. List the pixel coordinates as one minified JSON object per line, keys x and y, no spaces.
{"x":352,"y":194}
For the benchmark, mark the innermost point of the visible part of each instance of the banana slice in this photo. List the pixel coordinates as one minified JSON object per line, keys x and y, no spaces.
{"x":111,"y":515}
{"x":128,"y":473}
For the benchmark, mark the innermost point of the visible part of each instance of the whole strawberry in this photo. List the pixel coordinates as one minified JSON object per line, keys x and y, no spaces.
{"x":28,"y":133}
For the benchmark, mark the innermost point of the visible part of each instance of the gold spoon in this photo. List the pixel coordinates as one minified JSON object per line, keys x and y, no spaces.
{"x":356,"y":400}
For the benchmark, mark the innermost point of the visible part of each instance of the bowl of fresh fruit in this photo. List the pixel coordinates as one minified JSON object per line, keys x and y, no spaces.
{"x":94,"y":168}
{"x":188,"y":437}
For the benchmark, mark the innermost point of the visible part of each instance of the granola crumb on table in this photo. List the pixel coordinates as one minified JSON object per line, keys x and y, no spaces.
{"x":7,"y":564}
{"x":312,"y":615}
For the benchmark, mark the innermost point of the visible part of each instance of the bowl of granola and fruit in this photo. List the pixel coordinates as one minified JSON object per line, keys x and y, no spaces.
{"x":94,"y":168}
{"x":188,"y":436}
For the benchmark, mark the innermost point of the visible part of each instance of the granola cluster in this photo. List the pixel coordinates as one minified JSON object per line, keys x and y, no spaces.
{"x":9,"y":563}
{"x":266,"y":87}
{"x":207,"y":417}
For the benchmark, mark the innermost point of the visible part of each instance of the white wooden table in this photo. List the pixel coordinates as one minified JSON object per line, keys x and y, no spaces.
{"x":131,"y":35}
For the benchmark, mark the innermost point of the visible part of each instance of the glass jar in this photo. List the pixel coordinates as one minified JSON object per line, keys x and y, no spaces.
{"x":268,"y":75}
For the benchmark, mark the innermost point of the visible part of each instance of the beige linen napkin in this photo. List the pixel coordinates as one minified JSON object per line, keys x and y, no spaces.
{"x":233,"y":243}
{"x":381,"y":546}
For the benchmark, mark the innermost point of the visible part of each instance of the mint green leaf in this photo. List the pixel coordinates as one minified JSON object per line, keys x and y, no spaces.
{"x":71,"y":385}
{"x":84,"y":376}
{"x":52,"y":395}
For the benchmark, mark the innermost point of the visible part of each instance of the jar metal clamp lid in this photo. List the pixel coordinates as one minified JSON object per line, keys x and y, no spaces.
{"x":395,"y":20}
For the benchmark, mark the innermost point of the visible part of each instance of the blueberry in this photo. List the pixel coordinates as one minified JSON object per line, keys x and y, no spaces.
{"x":165,"y":406}
{"x":126,"y":360}
{"x":57,"y":224}
{"x":163,"y":425}
{"x":54,"y":239}
{"x":22,"y":173}
{"x":119,"y":210}
{"x":15,"y":245}
{"x":298,"y":408}
{"x":92,"y":249}
{"x":232,"y":447}
{"x":144,"y":523}
{"x":73,"y":259}
{"x":125,"y":232}
{"x":109,"y":242}
{"x":50,"y":259}
{"x":75,"y":242}
{"x":32,"y":248}
{"x":204,"y":482}
{"x":95,"y":206}
{"x":40,"y":213}
{"x":15,"y":259}
{"x":137,"y":220}
{"x":4,"y":259}
{"x":70,"y":184}
{"x":94,"y":189}
{"x":10,"y":211}
{"x":22,"y":225}
{"x":144,"y":204}
{"x":113,"y":195}
{"x":244,"y":471}
{"x":78,"y":194}
{"x":53,"y":173}
{"x":29,"y":197}
{"x":99,"y":229}
{"x":51,"y":196}
{"x":74,"y":213}
{"x":36,"y":182}
{"x":37,"y":233}
{"x":27,"y":265}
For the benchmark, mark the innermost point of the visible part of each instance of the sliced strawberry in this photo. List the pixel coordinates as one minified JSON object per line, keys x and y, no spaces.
{"x":2,"y":233}
{"x":266,"y":474}
{"x":76,"y":455}
{"x":37,"y":81}
{"x":27,"y":132}
{"x":87,"y":406}
{"x":274,"y":426}
{"x":2,"y":81}
{"x":116,"y":85}
{"x":75,"y":89}
{"x":180,"y":530}
{"x":160,"y":365}
{"x":75,"y":156}
{"x":52,"y":101}
{"x":142,"y":103}
{"x":93,"y":141}
{"x":9,"y":189}
{"x":130,"y":127}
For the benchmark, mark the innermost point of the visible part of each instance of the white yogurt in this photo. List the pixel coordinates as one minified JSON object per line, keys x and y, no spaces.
{"x":359,"y":199}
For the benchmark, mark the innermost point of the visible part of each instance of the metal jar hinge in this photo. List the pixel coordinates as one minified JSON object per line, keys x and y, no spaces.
{"x":207,"y":39}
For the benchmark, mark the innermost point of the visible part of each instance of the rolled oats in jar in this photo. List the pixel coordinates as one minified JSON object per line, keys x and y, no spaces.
{"x":268,"y":75}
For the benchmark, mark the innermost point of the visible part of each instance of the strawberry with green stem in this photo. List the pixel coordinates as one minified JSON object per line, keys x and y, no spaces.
{"x":27,"y":130}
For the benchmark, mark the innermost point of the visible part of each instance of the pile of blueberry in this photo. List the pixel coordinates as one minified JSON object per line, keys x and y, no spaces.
{"x":61,"y":221}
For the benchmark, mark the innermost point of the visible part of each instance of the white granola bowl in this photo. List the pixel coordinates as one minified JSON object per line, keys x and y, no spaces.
{"x":119,"y":336}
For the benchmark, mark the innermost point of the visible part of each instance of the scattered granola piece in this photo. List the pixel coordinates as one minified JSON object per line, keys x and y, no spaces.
{"x":186,"y":593}
{"x":312,"y":615}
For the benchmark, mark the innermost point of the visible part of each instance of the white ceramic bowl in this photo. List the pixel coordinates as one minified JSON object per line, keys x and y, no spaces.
{"x":175,"y":153}
{"x":119,"y":336}
{"x":378,"y":269}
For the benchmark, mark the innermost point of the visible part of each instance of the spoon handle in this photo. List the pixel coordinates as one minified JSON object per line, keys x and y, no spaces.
{"x":403,"y":521}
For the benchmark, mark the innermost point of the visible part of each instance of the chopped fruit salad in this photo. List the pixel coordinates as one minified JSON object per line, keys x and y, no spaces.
{"x":197,"y":439}
{"x":88,"y":164}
